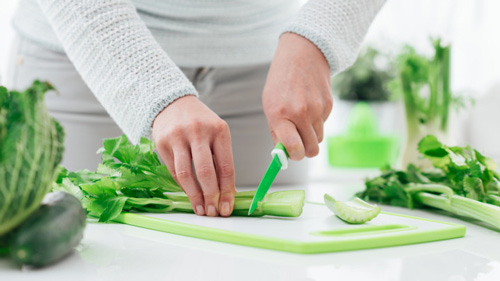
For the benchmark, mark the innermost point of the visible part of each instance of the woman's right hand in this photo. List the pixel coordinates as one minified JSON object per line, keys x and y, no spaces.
{"x":187,"y":132}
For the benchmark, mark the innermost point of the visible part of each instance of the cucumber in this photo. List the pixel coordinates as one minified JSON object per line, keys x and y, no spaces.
{"x":51,"y":232}
{"x":355,"y":211}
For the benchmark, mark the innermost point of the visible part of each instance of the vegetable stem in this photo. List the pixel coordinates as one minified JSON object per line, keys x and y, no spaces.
{"x":494,"y":199}
{"x":425,"y":85}
{"x":410,"y":104}
{"x":287,"y":203}
{"x":445,"y":76}
{"x":462,"y":206}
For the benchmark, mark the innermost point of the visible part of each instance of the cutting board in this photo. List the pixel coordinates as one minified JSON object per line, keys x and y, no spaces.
{"x":317,"y":230}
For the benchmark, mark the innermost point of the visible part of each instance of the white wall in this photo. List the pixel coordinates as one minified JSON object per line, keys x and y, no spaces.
{"x":6,"y":9}
{"x":470,"y":25}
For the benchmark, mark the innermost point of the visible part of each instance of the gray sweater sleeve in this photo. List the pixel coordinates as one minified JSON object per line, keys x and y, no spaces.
{"x":336,"y":27}
{"x":118,"y":58}
{"x":134,"y":79}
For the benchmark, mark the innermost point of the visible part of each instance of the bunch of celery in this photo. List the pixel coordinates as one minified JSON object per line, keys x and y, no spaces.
{"x":463,"y":182}
{"x":131,"y":178}
{"x":425,"y":86}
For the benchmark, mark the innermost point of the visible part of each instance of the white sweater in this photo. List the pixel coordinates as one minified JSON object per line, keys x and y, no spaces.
{"x":127,"y":51}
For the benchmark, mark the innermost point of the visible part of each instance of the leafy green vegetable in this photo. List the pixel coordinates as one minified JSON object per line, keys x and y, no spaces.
{"x":31,"y":148}
{"x":463,"y":181}
{"x":355,"y":211}
{"x":131,"y":178}
{"x":366,"y":79}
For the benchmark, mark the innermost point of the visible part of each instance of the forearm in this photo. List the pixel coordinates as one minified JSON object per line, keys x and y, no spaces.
{"x":119,"y":59}
{"x":336,"y":27}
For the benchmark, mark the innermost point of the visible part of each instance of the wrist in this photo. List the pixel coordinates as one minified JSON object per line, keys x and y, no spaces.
{"x":187,"y":99}
{"x":303,"y":51}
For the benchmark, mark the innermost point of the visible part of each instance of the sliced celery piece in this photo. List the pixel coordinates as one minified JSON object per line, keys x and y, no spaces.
{"x":354,"y":211}
{"x":285,"y":203}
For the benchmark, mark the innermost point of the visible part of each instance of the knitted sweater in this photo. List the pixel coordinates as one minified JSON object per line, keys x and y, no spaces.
{"x":128,"y":51}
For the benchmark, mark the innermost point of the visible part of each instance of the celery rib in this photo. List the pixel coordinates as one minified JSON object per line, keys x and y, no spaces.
{"x":463,"y":206}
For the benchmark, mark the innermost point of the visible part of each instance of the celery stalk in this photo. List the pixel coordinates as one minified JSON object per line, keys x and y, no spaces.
{"x":446,"y":93}
{"x":288,"y":203}
{"x":355,"y":211}
{"x":463,"y":207}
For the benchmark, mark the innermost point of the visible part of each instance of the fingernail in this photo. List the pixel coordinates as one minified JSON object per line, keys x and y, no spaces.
{"x":212,"y":212}
{"x":200,"y":211}
{"x":225,"y":210}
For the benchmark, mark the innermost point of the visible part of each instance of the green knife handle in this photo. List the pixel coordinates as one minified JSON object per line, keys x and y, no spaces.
{"x":280,"y":151}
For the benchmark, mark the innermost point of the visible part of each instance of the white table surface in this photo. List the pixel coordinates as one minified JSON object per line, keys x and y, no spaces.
{"x":122,"y":252}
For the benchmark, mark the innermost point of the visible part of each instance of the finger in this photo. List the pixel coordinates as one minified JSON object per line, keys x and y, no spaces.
{"x":328,"y":106}
{"x":168,"y":158}
{"x":169,"y":162}
{"x":205,"y":172}
{"x":224,"y":165}
{"x":273,"y":135}
{"x":185,"y":176}
{"x":286,"y":132}
{"x":318,"y":129}
{"x":309,"y":139}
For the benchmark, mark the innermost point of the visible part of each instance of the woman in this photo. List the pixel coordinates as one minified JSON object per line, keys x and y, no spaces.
{"x":204,"y":79}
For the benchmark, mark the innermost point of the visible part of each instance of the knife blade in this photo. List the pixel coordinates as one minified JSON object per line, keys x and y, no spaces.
{"x":279,"y":162}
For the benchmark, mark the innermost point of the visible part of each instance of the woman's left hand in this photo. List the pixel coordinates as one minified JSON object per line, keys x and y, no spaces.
{"x":297,"y":98}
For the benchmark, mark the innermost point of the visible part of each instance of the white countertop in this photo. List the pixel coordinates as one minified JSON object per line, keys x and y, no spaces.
{"x":122,"y":252}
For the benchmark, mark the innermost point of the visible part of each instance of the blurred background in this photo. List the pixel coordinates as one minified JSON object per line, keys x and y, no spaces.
{"x":469,"y":26}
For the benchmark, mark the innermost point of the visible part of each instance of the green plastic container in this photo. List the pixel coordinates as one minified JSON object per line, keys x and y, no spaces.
{"x":362,"y":146}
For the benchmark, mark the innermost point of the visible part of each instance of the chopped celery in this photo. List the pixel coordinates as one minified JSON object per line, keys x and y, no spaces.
{"x":287,"y":203}
{"x":354,"y":211}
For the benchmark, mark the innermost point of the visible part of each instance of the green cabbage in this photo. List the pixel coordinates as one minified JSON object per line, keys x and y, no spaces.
{"x":31,"y":148}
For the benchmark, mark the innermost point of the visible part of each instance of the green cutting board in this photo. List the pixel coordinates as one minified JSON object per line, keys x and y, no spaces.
{"x":317,"y":230}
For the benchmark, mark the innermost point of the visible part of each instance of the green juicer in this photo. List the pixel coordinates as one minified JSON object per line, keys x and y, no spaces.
{"x":362,"y":145}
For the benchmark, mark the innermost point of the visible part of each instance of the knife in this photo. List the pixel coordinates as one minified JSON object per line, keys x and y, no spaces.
{"x":279,"y":162}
